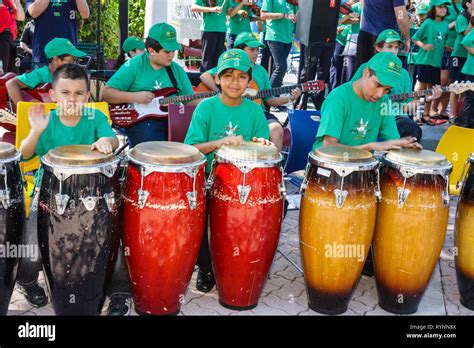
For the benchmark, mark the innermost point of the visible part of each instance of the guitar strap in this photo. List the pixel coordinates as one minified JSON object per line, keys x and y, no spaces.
{"x":172,"y":77}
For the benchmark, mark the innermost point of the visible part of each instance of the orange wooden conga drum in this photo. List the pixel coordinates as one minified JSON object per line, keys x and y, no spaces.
{"x":337,"y":219}
{"x":464,"y":239}
{"x":245,"y":216}
{"x":411,"y":225}
{"x":164,"y":215}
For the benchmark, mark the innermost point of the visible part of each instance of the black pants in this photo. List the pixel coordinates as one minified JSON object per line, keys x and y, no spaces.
{"x":29,"y":268}
{"x":212,"y":48}
{"x":408,"y":128}
{"x":320,"y":64}
{"x":365,"y":47}
{"x":119,"y":283}
{"x":337,"y":62}
{"x":466,"y":118}
{"x":7,"y":52}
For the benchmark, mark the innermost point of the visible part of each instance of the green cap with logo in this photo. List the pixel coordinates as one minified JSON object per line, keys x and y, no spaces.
{"x":422,"y":8}
{"x":387,"y":68}
{"x":439,"y":2}
{"x":132,"y":43}
{"x":59,"y":46}
{"x":249,"y":39}
{"x":234,"y":59}
{"x":165,"y":34}
{"x":388,"y":35}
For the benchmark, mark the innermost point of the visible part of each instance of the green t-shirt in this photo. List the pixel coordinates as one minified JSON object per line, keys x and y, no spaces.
{"x":413,"y":48}
{"x":36,"y":77}
{"x":449,"y":19}
{"x":354,"y":121}
{"x":237,"y":24}
{"x":259,"y":75}
{"x":469,"y":65}
{"x":431,"y":32}
{"x":355,"y":28}
{"x":461,"y":26}
{"x":214,"y":21}
{"x":280,"y":30}
{"x":212,"y":120}
{"x":404,"y":87}
{"x":342,"y":37}
{"x":138,"y":75}
{"x":92,"y":126}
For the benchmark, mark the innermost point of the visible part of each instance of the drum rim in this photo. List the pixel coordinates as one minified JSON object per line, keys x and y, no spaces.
{"x":15,"y":158}
{"x":58,"y":169}
{"x":250,"y":163}
{"x":413,"y":168}
{"x":355,"y":166}
{"x":166,"y":168}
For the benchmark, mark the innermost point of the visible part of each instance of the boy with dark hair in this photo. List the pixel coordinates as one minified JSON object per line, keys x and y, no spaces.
{"x":71,"y":123}
{"x":58,"y":51}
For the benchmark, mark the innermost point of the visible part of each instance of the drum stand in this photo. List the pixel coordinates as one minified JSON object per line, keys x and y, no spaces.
{"x":291,"y":262}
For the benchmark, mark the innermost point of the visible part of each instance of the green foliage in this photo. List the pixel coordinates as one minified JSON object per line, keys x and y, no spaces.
{"x":109,"y":24}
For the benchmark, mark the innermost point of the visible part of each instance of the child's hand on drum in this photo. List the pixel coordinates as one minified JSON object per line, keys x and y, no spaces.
{"x":102,"y":145}
{"x":38,"y":118}
{"x":262,"y":141}
{"x":396,"y":144}
{"x":232,"y":140}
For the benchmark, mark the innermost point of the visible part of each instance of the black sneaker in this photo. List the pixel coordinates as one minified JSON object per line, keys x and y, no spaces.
{"x":34,"y":294}
{"x":205,"y":281}
{"x":120,"y":305}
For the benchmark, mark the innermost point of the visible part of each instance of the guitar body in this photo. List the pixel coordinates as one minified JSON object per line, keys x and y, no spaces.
{"x":127,"y":115}
{"x":251,"y":91}
{"x":40,"y":94}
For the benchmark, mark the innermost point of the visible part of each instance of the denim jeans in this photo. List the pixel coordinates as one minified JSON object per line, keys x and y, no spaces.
{"x":336,"y":66}
{"x":280,"y":52}
{"x":230,"y":41}
{"x":151,"y":130}
{"x":37,"y":65}
{"x":265,"y":60}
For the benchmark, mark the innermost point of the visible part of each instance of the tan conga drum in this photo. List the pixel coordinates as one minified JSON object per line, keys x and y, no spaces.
{"x":337,"y":218}
{"x":464,"y":238}
{"x":411,"y":224}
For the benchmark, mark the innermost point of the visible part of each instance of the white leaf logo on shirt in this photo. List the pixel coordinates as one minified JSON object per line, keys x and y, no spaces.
{"x":230,"y":129}
{"x":360,"y":129}
{"x":157,"y":85}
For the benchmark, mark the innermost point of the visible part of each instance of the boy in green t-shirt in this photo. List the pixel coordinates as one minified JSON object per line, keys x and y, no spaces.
{"x":145,"y":73}
{"x":69,"y":124}
{"x":58,"y":51}
{"x":239,"y":22}
{"x":358,"y":113}
{"x":466,"y":118}
{"x":248,"y":42}
{"x":227,"y":118}
{"x":131,"y":47}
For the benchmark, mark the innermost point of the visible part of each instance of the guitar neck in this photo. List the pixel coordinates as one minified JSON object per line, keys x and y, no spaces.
{"x":186,"y":98}
{"x":275,"y":91}
{"x":416,"y":94}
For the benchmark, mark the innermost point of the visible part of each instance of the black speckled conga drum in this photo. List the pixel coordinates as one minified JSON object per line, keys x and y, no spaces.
{"x":79,"y":221}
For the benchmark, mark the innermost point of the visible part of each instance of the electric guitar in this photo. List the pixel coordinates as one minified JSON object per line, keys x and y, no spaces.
{"x":456,"y":87}
{"x":128,"y":114}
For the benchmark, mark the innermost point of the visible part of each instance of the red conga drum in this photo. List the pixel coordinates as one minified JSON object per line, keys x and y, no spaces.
{"x":164,"y":216}
{"x":246,"y":210}
{"x":411,"y":225}
{"x":464,"y":239}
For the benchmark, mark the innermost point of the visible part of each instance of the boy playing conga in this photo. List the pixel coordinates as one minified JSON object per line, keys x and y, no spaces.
{"x":229,"y":119}
{"x":70,"y":124}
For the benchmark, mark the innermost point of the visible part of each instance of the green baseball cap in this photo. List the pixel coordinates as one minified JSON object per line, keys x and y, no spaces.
{"x":387,"y":68}
{"x":234,"y":59}
{"x":422,"y":8}
{"x":439,"y":2}
{"x":132,"y":43}
{"x":388,"y":35}
{"x":249,"y":39}
{"x":165,"y":34}
{"x":59,"y":46}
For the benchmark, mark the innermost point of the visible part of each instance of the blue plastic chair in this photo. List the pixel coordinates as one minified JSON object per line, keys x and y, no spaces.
{"x":304,"y":125}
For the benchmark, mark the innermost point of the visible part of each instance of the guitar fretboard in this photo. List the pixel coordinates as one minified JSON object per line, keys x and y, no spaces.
{"x":186,"y":98}
{"x":416,"y":94}
{"x":275,"y":91}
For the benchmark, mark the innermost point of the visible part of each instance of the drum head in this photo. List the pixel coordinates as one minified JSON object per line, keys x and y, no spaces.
{"x":419,"y":158}
{"x":165,"y":153}
{"x":77,"y":155}
{"x":249,"y":151}
{"x":7,"y":150}
{"x":341,"y":153}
